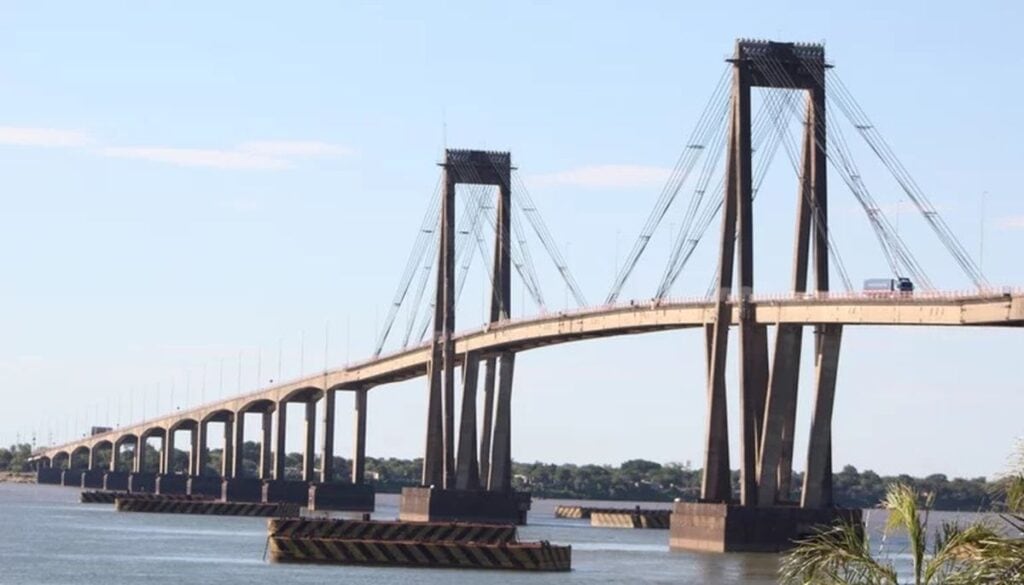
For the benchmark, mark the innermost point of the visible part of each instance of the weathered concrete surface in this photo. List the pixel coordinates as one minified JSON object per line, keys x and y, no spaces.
{"x":49,"y":476}
{"x":204,"y":486}
{"x":347,"y":497}
{"x":115,"y":481}
{"x":732,"y":528}
{"x":433,"y":505}
{"x":171,"y":484}
{"x":71,"y":478}
{"x":142,"y":483}
{"x":242,"y":489}
{"x":287,"y":491}
{"x":92,"y":479}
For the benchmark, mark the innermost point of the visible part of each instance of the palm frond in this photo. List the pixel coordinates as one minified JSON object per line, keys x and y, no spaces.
{"x":901,"y":503}
{"x":835,"y":555}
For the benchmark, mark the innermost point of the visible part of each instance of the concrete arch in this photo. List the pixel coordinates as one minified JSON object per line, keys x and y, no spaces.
{"x":77,"y":452}
{"x":220,"y":415}
{"x":60,"y":459}
{"x":182,"y":424}
{"x":259,"y":405}
{"x":103,"y":445}
{"x":304,"y":394}
{"x":157,"y":431}
{"x":126,"y":438}
{"x":349,"y":387}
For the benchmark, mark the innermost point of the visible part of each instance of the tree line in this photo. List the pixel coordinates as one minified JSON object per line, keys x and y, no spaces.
{"x":636,"y":479}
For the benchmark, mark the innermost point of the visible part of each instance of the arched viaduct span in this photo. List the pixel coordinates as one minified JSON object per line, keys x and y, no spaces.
{"x":1001,"y":309}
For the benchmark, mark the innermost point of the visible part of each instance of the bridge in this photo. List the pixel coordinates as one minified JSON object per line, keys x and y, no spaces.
{"x":466,"y":469}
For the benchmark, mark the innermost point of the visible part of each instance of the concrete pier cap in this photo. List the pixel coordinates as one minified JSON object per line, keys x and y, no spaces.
{"x":719,"y":527}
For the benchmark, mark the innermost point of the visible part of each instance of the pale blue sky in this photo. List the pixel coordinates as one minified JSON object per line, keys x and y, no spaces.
{"x":187,"y":182}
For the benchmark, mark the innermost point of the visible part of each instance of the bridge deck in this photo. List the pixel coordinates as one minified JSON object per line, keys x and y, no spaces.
{"x":968,"y":310}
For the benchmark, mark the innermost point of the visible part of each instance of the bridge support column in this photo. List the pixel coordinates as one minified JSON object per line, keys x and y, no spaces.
{"x":467,"y":472}
{"x":238,"y":460}
{"x":433,"y":457}
{"x":500,"y":479}
{"x":280,"y":446}
{"x":486,"y":431}
{"x":359,"y":448}
{"x":199,"y":448}
{"x":266,"y":458}
{"x":776,"y":467}
{"x":716,"y":482}
{"x":327,"y":450}
{"x":818,"y":477}
{"x":773,"y":474}
{"x":309,"y":450}
{"x":139,"y":456}
{"x":168,"y":454}
{"x":227,"y":467}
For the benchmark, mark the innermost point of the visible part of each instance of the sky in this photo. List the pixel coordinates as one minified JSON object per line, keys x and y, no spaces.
{"x":200,"y":198}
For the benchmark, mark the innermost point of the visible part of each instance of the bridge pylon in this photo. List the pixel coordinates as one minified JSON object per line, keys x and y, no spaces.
{"x":768,"y":391}
{"x":457,"y":483}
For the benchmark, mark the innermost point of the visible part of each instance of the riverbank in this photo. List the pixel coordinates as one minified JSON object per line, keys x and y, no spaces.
{"x":17,"y":477}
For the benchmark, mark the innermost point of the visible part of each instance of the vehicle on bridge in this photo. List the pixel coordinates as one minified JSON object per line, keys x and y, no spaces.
{"x":888,"y":286}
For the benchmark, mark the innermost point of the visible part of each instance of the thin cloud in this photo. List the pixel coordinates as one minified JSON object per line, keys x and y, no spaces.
{"x":200,"y":157}
{"x":43,"y":137}
{"x":266,"y":155}
{"x":606,"y":176}
{"x":295,"y":149}
{"x":1013,"y":222}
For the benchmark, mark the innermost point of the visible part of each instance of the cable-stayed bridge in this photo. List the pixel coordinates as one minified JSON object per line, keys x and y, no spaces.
{"x":467,"y":458}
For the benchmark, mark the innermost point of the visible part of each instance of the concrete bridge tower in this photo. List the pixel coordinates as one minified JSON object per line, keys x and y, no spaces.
{"x":458,"y":484}
{"x":768,"y":391}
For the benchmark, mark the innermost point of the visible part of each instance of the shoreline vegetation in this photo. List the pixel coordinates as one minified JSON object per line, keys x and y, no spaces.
{"x":634,"y":480}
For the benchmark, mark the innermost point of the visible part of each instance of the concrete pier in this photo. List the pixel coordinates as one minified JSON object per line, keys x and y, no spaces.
{"x":142,"y":483}
{"x":92,"y":479}
{"x":48,"y":476}
{"x":242,"y":489}
{"x":206,"y":485}
{"x":71,"y":478}
{"x":348,"y":497}
{"x":115,"y":481}
{"x":290,"y":491}
{"x":733,"y":528}
{"x":171,"y":484}
{"x":437,"y":505}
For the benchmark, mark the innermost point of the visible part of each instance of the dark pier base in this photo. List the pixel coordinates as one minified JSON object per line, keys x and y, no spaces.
{"x":92,"y":479}
{"x":347,"y":497}
{"x":49,"y":476}
{"x":242,"y":489}
{"x":204,"y":486}
{"x":142,"y":483}
{"x":286,"y":491}
{"x":434,"y":505}
{"x":732,"y":528}
{"x":171,"y":485}
{"x":71,"y":478}
{"x":115,"y":481}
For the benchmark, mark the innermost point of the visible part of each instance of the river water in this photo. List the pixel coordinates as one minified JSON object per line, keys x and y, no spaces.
{"x":47,"y":537}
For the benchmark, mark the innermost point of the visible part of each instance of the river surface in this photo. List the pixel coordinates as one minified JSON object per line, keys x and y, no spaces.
{"x":47,"y":537}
